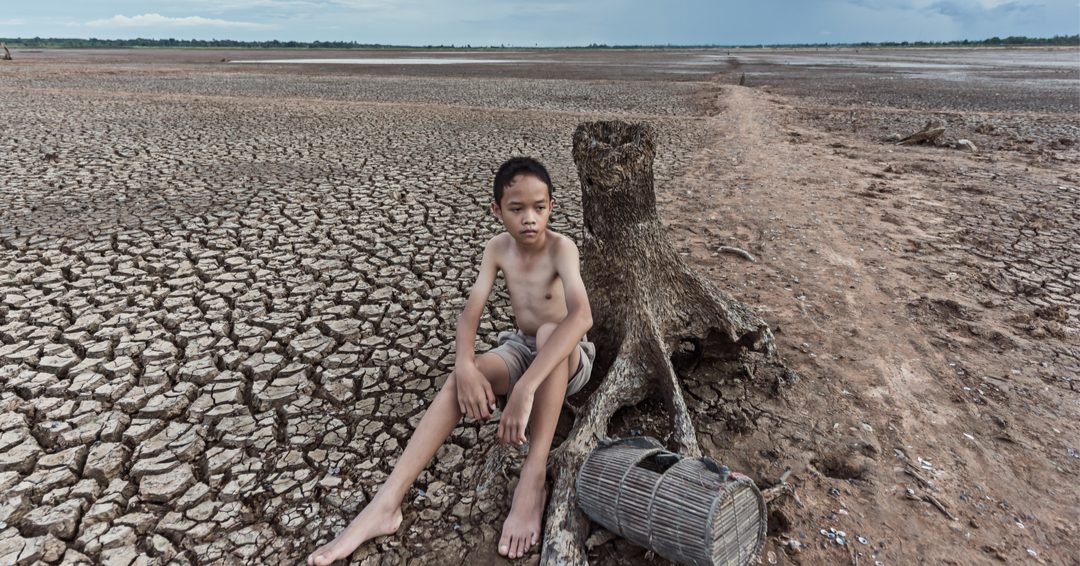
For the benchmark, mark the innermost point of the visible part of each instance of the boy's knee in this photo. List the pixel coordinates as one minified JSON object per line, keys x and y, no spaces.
{"x":544,"y":332}
{"x":451,"y":381}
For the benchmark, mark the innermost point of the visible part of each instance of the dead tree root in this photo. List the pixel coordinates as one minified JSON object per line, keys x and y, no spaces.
{"x":654,"y":312}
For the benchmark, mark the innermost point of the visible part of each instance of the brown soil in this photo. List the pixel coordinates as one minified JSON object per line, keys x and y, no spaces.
{"x":929,"y":297}
{"x":266,"y":263}
{"x":896,"y":280}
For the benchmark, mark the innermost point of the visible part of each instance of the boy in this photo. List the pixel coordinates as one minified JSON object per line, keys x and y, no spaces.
{"x":535,"y":367}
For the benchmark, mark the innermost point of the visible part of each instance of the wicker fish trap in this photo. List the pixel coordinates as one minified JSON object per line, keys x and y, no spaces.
{"x":689,"y":510}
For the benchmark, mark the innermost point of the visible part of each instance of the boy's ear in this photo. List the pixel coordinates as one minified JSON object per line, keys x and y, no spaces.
{"x":496,"y":210}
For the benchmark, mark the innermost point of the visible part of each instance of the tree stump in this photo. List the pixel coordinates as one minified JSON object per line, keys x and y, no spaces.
{"x":654,"y":317}
{"x":7,"y":54}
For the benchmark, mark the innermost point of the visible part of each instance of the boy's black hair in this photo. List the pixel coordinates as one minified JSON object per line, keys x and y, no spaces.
{"x":517,"y":166}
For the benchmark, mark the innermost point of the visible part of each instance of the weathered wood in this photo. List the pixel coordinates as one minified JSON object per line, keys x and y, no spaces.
{"x":646,"y":303}
{"x":930,"y":133}
{"x":737,"y":251}
{"x":7,"y":54}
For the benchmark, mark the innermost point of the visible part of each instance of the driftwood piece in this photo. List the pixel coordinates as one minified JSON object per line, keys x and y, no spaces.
{"x":7,"y":54}
{"x":930,"y":133}
{"x":648,"y":306}
{"x":968,"y":145}
{"x":940,"y":506}
{"x":737,"y":251}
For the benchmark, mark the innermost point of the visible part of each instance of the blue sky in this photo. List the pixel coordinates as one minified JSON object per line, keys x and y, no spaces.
{"x":544,"y":23}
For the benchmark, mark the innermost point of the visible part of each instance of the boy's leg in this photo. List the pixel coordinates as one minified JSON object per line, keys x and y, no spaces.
{"x":522,"y":527}
{"x":382,"y":515}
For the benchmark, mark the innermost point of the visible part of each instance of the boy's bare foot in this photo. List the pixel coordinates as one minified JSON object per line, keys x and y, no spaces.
{"x":522,"y":527}
{"x":375,"y":520}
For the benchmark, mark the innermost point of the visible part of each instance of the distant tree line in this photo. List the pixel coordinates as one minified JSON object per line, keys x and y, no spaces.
{"x":76,"y":43}
{"x":1012,"y":40}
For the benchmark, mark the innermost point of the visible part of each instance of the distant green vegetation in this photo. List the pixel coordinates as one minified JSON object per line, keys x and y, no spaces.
{"x":1012,"y":40}
{"x":77,"y":43}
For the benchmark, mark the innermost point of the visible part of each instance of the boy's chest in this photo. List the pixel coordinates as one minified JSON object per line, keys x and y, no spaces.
{"x":536,"y":280}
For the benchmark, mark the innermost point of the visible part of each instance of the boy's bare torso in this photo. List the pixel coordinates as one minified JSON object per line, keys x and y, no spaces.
{"x":536,"y":290}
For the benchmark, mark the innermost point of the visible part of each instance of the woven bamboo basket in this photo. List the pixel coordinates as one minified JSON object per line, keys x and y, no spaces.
{"x":688,"y":510}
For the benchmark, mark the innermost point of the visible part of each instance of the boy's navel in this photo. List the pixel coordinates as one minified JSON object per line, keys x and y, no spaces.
{"x":548,"y":296}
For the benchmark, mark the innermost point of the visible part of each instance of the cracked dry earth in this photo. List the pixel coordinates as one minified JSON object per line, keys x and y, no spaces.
{"x":225,"y":304}
{"x":227,"y":294}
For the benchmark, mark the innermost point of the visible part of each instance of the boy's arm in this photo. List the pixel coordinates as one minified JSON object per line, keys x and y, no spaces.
{"x":558,"y":347}
{"x":475,"y":397}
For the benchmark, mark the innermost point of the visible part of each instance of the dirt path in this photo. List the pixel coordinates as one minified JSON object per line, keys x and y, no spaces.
{"x":919,"y":373}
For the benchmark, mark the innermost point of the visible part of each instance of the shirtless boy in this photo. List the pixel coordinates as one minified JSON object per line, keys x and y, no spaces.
{"x":535,"y":367}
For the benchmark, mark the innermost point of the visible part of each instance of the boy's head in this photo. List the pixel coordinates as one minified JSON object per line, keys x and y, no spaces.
{"x":513,"y":167}
{"x":523,"y":198}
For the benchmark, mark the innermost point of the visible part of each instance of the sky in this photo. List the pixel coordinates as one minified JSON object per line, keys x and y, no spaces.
{"x":544,"y":23}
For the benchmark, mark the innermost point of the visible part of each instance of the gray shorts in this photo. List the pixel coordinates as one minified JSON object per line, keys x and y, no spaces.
{"x":518,"y":350}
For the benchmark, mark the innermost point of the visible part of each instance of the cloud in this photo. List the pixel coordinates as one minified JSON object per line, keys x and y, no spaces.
{"x":972,"y":10}
{"x":367,"y":5}
{"x":289,"y":5}
{"x":11,"y":22}
{"x":159,"y":21}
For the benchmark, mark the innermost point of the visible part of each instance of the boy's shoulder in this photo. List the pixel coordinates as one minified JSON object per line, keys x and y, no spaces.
{"x":561,"y":244}
{"x":498,"y":245}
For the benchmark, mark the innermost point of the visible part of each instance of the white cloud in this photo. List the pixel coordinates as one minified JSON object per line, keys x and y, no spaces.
{"x":159,"y":21}
{"x":234,"y":5}
{"x":368,"y":5}
{"x":11,"y":22}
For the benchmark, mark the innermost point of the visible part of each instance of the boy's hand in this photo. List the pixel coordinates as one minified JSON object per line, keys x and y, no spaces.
{"x":515,"y":417}
{"x":474,"y":394}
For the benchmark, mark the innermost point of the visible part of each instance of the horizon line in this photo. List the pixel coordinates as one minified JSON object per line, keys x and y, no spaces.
{"x":353,"y":44}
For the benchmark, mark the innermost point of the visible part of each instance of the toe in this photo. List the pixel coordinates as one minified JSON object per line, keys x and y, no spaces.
{"x":504,"y":545}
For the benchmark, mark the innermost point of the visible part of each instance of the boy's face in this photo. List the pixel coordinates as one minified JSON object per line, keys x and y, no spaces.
{"x":525,"y":208}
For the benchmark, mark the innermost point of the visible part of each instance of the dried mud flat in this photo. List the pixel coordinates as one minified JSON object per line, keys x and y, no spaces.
{"x":227,"y":292}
